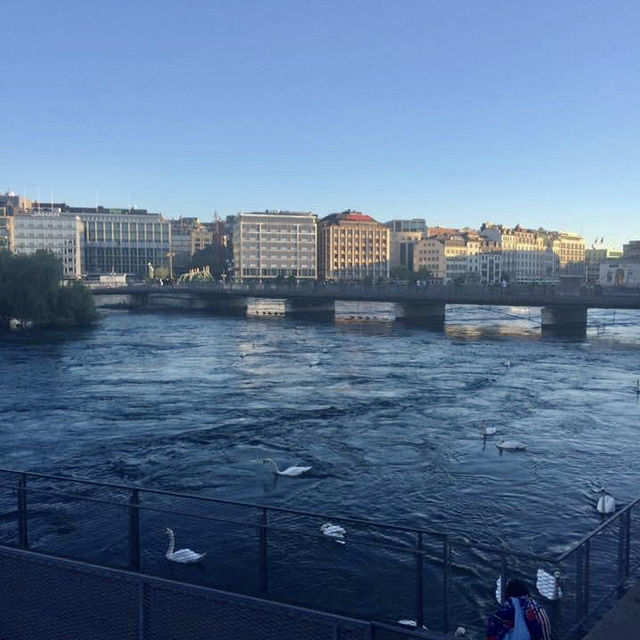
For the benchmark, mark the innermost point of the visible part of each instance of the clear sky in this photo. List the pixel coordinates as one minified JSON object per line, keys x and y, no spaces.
{"x":459,"y":111}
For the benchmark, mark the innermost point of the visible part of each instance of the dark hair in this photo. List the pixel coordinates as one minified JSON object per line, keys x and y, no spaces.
{"x":516,"y":589}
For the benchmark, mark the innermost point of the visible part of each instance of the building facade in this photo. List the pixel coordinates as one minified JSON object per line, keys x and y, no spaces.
{"x":353,"y":246}
{"x":631,"y":250}
{"x":275,"y":244}
{"x":403,"y":238}
{"x":620,"y":273}
{"x":52,"y":231}
{"x":537,"y":255}
{"x":6,"y":233}
{"x":123,"y":240}
{"x":594,"y":258}
{"x":450,"y":256}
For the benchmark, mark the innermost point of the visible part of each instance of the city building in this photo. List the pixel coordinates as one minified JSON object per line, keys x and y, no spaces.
{"x":450,"y":256}
{"x":52,"y":231}
{"x":594,"y":258}
{"x":537,"y":255}
{"x":404,"y":236}
{"x":631,"y":250}
{"x":123,"y":240}
{"x":12,"y":204}
{"x":353,"y":246}
{"x":188,"y":237}
{"x":275,"y":244}
{"x":620,"y":273}
{"x":6,"y":233}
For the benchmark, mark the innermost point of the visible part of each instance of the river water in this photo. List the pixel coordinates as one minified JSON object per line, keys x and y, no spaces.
{"x":388,"y":417}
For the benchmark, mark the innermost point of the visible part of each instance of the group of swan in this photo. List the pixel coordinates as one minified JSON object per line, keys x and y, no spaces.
{"x":510,"y":445}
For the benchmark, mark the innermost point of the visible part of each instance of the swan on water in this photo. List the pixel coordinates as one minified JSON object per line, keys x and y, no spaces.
{"x":182,"y":556}
{"x":511,"y":445}
{"x":406,"y":622}
{"x":548,"y":585}
{"x":507,"y":364}
{"x":334,"y":531}
{"x":289,"y":471}
{"x":488,"y":431}
{"x":606,"y":503}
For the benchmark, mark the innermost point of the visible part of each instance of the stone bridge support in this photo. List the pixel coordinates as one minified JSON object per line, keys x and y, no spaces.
{"x":310,"y":308}
{"x":564,"y":319}
{"x":427,"y":314}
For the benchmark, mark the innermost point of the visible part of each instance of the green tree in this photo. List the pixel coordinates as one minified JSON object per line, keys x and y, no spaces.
{"x":30,"y":289}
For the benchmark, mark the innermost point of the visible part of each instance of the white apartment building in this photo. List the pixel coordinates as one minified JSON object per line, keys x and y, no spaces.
{"x":538,"y":255}
{"x":57,"y":232}
{"x":275,"y":243}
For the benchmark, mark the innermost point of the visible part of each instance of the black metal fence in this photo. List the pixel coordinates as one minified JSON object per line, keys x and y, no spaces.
{"x":378,"y":571}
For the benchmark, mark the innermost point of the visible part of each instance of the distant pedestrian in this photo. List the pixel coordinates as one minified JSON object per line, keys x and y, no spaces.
{"x":503,"y":284}
{"x":519,"y":617}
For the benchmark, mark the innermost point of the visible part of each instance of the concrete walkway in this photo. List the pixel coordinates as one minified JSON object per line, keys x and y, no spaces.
{"x":622,"y":622}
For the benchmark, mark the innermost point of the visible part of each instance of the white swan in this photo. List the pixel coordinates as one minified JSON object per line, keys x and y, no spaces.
{"x":289,"y":471}
{"x":183,"y":556}
{"x":507,"y":364}
{"x":488,"y":431}
{"x":511,"y":445}
{"x":548,"y":585}
{"x":407,"y":622}
{"x":334,"y":531}
{"x":606,"y":503}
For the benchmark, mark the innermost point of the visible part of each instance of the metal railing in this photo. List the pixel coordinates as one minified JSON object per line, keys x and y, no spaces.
{"x":432,"y":572}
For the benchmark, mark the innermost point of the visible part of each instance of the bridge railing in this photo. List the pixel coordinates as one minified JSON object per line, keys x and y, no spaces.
{"x":377,"y":571}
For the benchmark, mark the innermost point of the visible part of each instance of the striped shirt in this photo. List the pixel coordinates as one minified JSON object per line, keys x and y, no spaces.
{"x":501,"y":622}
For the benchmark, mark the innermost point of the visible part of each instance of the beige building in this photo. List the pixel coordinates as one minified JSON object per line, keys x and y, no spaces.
{"x":352,"y":246}
{"x":275,"y":244}
{"x":450,"y":255}
{"x":188,"y":237}
{"x":620,"y":273}
{"x":53,"y":231}
{"x":405,"y":234}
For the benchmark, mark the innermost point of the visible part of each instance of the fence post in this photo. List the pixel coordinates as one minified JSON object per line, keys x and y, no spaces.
{"x":23,"y":536}
{"x":446,"y":580}
{"x":582,"y":582}
{"x":503,"y":576}
{"x":264,"y":585}
{"x":420,"y":583}
{"x":134,"y":530}
{"x":624,"y":535}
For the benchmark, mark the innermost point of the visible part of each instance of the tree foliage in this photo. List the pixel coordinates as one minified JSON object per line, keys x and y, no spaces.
{"x":30,"y":289}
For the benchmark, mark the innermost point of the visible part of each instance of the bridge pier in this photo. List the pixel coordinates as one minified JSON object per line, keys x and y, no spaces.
{"x":310,"y":308}
{"x":564,"y":320}
{"x":426,"y":314}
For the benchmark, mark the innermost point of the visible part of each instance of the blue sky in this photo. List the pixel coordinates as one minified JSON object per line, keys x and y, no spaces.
{"x":456,"y":111}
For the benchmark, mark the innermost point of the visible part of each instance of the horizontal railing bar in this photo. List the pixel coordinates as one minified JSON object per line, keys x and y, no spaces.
{"x":607,"y":523}
{"x":174,"y":494}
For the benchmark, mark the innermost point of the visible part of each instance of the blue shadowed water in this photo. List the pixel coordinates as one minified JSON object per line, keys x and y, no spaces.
{"x":387,"y":416}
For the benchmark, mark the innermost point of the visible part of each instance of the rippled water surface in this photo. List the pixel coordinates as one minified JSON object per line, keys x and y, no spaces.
{"x":387,"y":416}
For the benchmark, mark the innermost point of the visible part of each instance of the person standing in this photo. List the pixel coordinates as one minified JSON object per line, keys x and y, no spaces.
{"x":519,"y":617}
